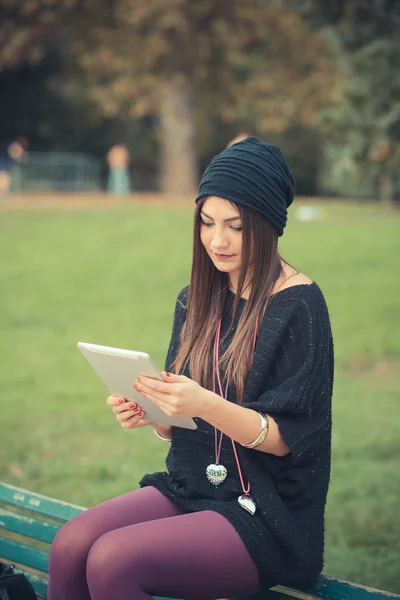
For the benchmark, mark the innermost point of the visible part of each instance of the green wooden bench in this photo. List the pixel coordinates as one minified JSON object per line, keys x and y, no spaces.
{"x":29,"y":522}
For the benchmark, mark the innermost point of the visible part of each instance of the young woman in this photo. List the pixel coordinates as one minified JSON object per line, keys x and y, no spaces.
{"x":251,"y":360}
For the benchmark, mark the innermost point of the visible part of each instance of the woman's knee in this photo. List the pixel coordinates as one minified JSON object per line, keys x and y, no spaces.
{"x":106,"y":561}
{"x":70,"y":543}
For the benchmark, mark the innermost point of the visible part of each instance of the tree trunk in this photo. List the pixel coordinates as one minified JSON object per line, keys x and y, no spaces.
{"x":178,"y":154}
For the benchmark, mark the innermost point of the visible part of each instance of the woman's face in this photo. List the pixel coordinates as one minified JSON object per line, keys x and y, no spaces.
{"x":221,"y":234}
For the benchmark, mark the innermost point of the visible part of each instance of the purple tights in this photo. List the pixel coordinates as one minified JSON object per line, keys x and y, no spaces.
{"x":141,"y":545}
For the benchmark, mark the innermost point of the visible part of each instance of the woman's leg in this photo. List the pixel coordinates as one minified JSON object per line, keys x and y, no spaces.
{"x":194,"y":556}
{"x":70,"y":548}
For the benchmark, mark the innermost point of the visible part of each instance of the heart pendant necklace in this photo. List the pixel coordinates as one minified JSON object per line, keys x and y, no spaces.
{"x":216,"y":474}
{"x":247,"y":502}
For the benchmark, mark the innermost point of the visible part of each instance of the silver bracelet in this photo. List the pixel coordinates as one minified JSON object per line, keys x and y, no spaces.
{"x":262,"y":435}
{"x":164,"y":439}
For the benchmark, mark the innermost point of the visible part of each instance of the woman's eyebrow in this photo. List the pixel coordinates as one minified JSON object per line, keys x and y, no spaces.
{"x":225,"y":220}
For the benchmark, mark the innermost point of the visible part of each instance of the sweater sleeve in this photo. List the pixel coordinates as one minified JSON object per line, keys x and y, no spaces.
{"x":299,"y":382}
{"x":179,"y":319}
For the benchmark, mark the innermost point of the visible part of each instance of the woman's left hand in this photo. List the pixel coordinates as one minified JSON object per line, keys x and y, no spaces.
{"x":177,"y":395}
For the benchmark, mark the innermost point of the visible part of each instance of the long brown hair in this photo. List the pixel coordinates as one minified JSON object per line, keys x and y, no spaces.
{"x":260,"y":268}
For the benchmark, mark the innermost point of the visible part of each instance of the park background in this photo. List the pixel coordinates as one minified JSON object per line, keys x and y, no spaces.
{"x":175,"y":82}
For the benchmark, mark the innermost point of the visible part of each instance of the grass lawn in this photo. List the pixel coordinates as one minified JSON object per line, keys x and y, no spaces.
{"x":110,"y":275}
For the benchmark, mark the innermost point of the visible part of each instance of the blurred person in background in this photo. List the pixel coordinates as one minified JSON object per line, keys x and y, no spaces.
{"x":241,"y":506}
{"x":118,"y":170}
{"x":12,"y":154}
{"x":238,"y":138}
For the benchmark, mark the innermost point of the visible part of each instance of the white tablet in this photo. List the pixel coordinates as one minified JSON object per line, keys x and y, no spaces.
{"x":118,"y":369}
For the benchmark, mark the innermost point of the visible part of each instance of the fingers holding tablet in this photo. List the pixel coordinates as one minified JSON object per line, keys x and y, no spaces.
{"x":119,"y":369}
{"x":115,"y":400}
{"x":128,"y":414}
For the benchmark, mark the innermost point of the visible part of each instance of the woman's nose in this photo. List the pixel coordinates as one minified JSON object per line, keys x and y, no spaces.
{"x":219,"y":240}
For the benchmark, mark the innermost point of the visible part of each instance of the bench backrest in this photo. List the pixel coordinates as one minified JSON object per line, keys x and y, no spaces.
{"x":29,"y":522}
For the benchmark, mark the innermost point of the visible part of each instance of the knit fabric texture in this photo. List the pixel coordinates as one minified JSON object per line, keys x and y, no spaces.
{"x":254,"y":175}
{"x":291,"y":379}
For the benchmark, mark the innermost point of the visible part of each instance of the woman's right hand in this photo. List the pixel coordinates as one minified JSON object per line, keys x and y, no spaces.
{"x":128,"y":414}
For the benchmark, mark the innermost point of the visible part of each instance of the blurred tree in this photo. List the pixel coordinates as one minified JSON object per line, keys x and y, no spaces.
{"x":44,"y":94}
{"x":254,"y":60}
{"x":366,"y":34}
{"x":190,"y":65}
{"x":23,"y":25}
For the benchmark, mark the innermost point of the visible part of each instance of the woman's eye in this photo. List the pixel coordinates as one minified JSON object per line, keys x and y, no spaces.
{"x":211,"y":224}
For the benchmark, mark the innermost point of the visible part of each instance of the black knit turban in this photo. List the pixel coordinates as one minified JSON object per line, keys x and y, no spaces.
{"x":254,"y":175}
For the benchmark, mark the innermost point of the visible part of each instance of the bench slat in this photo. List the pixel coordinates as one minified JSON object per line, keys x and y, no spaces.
{"x":338,"y":589}
{"x":38,"y":503}
{"x":39,"y":530}
{"x":19,"y":553}
{"x":40,"y":584}
{"x":323,"y":588}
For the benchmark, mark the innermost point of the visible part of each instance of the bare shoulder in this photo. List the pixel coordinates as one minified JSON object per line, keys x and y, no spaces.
{"x":298,"y":279}
{"x":290,"y":278}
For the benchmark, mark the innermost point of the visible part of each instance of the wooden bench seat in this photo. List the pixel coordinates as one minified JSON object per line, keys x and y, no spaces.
{"x":29,"y":522}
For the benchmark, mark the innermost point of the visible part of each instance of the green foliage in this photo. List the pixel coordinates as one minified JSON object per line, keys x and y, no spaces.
{"x":341,"y":175}
{"x":247,"y":61}
{"x":23,"y":27}
{"x":325,"y":74}
{"x":367,"y":121}
{"x":255,"y":59}
{"x":110,"y":275}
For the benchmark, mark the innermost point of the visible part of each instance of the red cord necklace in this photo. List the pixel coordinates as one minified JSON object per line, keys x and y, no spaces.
{"x":217,"y":473}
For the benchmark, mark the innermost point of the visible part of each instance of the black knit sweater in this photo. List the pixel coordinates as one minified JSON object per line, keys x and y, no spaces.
{"x":291,"y":379}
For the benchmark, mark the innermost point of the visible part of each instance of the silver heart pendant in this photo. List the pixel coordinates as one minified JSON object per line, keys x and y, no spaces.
{"x":216,"y":474}
{"x":247,"y":503}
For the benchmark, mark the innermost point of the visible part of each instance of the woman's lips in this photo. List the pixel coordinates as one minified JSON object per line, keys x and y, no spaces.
{"x":223,"y":256}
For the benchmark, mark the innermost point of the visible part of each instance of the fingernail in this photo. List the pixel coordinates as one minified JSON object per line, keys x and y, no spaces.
{"x":121,"y":400}
{"x":132,"y":405}
{"x":138,"y":378}
{"x":135,"y":386}
{"x":167,"y":374}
